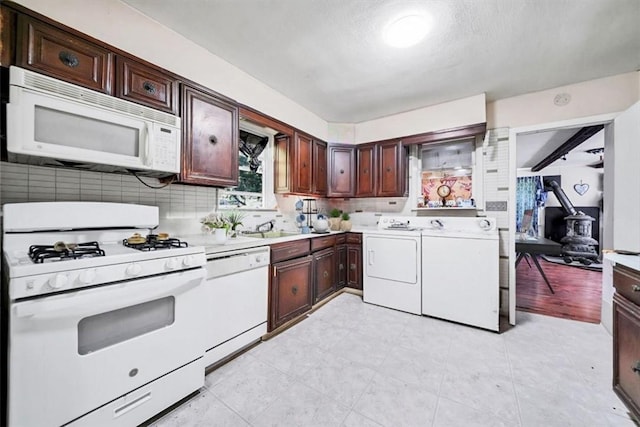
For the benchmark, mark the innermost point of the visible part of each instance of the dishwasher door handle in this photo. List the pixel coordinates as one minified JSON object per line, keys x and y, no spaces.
{"x":371,"y":256}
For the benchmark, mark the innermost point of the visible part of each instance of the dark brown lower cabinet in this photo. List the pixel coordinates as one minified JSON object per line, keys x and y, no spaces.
{"x":626,"y":340}
{"x":324,"y":277}
{"x":341,"y":266}
{"x":291,"y":292}
{"x":354,"y":260}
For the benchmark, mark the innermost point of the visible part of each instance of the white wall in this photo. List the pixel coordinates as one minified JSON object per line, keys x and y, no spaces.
{"x":594,"y":97}
{"x":570,"y":176}
{"x":447,"y":115}
{"x":120,"y":25}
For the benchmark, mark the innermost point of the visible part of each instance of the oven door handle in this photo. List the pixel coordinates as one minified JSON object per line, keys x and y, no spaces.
{"x":102,"y":299}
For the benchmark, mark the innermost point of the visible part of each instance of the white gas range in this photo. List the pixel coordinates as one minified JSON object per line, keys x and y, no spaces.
{"x":105,"y":318}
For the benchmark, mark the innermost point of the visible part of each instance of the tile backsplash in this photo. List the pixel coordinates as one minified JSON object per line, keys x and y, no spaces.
{"x":181,"y":206}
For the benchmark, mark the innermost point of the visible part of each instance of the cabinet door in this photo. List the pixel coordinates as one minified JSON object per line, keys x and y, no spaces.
{"x":341,"y":171}
{"x":626,"y":352}
{"x":324,"y":263}
{"x":62,"y":55}
{"x":290,"y":293}
{"x":341,"y":265}
{"x":146,"y":85}
{"x":365,"y":170}
{"x":210,"y":140}
{"x":302,"y":164}
{"x":391,"y":172}
{"x":320,"y":168}
{"x":282,"y":167}
{"x":354,"y":266}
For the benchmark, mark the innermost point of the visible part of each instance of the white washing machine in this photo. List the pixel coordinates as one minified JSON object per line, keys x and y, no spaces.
{"x":460,"y":271}
{"x":391,"y":272}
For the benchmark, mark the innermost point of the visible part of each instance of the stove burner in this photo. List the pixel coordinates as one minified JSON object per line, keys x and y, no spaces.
{"x":154,"y":242}
{"x":40,"y":253}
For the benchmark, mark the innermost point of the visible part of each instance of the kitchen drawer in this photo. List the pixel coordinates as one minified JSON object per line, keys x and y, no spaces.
{"x":145,"y":85}
{"x":626,"y":352}
{"x":354,"y":238}
{"x":341,"y":238}
{"x":318,"y":243}
{"x":289,"y":250}
{"x":627,"y":283}
{"x":48,"y":50}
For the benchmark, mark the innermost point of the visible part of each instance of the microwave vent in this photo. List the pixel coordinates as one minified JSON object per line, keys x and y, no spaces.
{"x":39,"y":82}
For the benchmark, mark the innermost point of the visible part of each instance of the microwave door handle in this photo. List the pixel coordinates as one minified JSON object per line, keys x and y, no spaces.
{"x":100,"y":300}
{"x":147,"y":143}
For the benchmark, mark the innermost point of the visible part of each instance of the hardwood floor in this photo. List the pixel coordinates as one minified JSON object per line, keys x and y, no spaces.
{"x":578,"y":292}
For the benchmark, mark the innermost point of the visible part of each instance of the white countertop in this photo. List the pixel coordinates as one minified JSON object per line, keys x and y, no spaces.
{"x":631,"y":261}
{"x":242,"y":242}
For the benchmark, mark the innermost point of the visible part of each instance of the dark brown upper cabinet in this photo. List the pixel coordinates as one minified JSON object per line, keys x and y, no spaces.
{"x":320,"y":168}
{"x":342,"y":170}
{"x":392,"y":158}
{"x":210,"y":140}
{"x":145,"y":85}
{"x":56,"y":53}
{"x":366,"y":170}
{"x":302,"y":164}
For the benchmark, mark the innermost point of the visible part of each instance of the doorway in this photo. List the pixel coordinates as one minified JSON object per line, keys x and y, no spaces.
{"x":547,"y":280}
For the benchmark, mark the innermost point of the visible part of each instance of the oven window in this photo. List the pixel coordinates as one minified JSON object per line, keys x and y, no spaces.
{"x":106,"y":329}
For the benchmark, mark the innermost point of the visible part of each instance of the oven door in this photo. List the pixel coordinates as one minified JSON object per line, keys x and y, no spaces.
{"x":71,"y":353}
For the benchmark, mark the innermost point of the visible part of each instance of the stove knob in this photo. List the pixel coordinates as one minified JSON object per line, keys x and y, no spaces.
{"x":188,"y":261}
{"x":87,"y":277}
{"x":134,"y":269}
{"x":171,"y":264}
{"x":58,"y":281}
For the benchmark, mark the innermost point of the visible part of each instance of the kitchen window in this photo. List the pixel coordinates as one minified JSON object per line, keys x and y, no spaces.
{"x":255,"y":164}
{"x":446,"y":176}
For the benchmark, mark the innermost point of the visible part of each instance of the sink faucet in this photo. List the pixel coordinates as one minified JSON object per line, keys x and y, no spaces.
{"x":270,"y":223}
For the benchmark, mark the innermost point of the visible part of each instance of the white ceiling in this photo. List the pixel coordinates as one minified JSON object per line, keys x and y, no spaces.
{"x":328,"y":55}
{"x":533,"y":147}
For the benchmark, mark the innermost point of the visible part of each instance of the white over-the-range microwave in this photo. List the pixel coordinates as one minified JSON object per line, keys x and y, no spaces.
{"x":53,"y":122}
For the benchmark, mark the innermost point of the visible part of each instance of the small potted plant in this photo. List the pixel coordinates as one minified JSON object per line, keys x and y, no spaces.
{"x":235,"y":219}
{"x":216,"y":224}
{"x":345,"y":224}
{"x":334,"y":219}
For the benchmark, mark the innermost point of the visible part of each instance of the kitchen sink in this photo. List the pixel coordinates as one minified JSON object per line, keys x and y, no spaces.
{"x":269,"y":234}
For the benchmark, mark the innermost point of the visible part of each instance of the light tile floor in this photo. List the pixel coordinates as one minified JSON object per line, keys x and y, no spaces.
{"x":353,"y":364}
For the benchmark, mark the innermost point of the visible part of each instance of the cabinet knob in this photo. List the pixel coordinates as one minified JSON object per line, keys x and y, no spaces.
{"x":304,"y":165}
{"x":68,"y":59}
{"x":636,"y":368}
{"x":366,"y":170}
{"x":325,"y":274}
{"x":213,"y":139}
{"x":341,"y":267}
{"x":635,"y":288}
{"x":341,"y":170}
{"x":352,"y":266}
{"x":388,"y":169}
{"x":149,"y":87}
{"x":294,"y":290}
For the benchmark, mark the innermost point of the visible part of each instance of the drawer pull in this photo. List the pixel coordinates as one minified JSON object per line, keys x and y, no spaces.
{"x":68,"y":59}
{"x":149,"y":87}
{"x":294,"y":290}
{"x":636,"y":368}
{"x":635,"y":288}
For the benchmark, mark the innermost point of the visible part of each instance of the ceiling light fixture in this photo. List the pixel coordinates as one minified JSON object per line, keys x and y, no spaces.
{"x":406,"y":31}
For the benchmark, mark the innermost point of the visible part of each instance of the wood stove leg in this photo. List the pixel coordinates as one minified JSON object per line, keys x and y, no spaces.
{"x":544,"y":276}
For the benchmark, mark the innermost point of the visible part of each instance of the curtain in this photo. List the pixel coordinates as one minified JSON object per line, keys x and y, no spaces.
{"x":530,"y":195}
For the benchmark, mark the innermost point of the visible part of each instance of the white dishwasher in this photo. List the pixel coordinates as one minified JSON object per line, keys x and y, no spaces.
{"x":460,"y":271}
{"x":236,"y":301}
